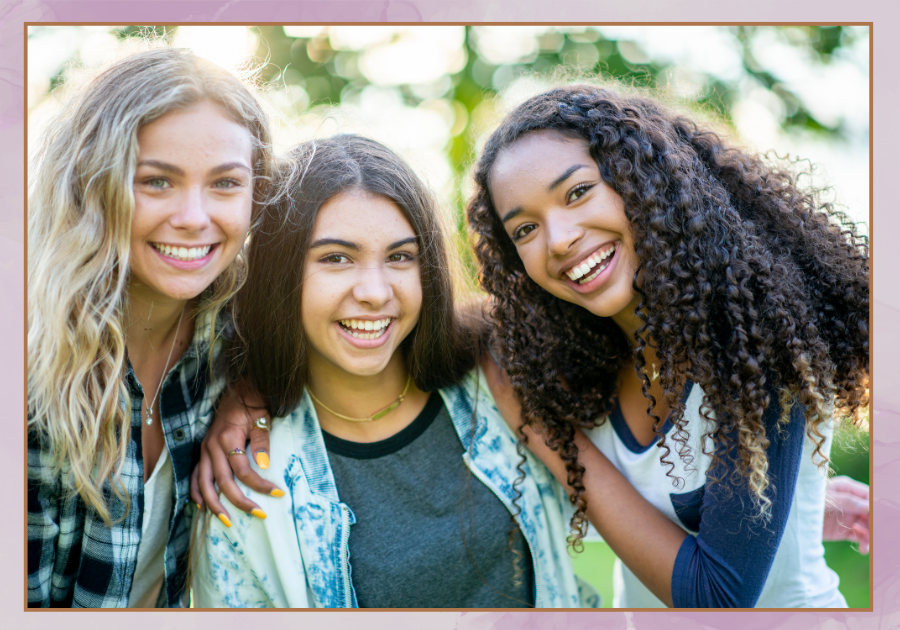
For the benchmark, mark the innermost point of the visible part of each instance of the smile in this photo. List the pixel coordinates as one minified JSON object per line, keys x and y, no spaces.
{"x":593,"y":266}
{"x":182,"y":253}
{"x":365,"y":328}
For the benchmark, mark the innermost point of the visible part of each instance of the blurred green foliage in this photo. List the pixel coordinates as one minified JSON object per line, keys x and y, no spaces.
{"x":325,"y":73}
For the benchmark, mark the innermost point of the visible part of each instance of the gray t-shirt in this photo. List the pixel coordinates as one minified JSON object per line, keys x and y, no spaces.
{"x":428,"y":533}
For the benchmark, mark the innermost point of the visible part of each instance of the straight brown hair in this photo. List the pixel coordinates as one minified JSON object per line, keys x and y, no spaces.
{"x":270,"y":348}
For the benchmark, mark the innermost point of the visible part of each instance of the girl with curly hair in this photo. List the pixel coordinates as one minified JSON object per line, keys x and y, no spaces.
{"x":653,"y":285}
{"x":403,"y":482}
{"x":143,"y":194}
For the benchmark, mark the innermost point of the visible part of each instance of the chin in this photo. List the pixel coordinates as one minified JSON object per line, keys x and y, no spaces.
{"x":367,"y":369}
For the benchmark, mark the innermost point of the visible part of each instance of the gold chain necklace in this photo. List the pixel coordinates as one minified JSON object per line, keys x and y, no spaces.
{"x":374,"y":416}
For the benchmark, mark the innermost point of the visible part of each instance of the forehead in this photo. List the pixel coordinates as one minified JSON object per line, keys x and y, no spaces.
{"x":370,"y":220}
{"x":536,"y":157}
{"x":203,"y":129}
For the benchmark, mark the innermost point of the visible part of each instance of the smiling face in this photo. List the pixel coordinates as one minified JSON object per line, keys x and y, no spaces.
{"x":193,"y":197}
{"x":568,"y":226}
{"x":362,"y":290}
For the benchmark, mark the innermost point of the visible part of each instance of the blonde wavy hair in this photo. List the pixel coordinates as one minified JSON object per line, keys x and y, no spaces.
{"x":80,"y":210}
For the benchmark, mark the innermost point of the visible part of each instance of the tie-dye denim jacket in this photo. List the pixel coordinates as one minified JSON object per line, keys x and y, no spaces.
{"x":298,"y":556}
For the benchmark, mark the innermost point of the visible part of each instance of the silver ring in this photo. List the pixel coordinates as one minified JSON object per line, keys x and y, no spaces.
{"x":236,"y":451}
{"x":263,"y":424}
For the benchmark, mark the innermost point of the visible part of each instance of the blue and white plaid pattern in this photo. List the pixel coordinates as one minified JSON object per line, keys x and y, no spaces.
{"x":74,"y":558}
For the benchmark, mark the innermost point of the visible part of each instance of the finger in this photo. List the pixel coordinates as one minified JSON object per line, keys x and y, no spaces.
{"x":208,"y":489}
{"x":196,"y":496}
{"x":225,"y":472}
{"x":859,"y":507}
{"x":861,"y":535}
{"x":843,"y":483}
{"x":259,"y":441}
{"x":239,"y":466}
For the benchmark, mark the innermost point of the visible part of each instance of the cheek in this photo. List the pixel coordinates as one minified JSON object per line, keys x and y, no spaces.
{"x":235,"y":220}
{"x":409,"y":289}
{"x":142,"y":220}
{"x":535,"y":264}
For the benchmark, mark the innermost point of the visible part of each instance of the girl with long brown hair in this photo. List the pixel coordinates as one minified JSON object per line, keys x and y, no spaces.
{"x":389,"y":444}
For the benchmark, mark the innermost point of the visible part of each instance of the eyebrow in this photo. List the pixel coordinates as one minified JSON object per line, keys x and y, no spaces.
{"x":171,"y":168}
{"x":559,"y":180}
{"x":553,"y":185}
{"x":406,"y":241}
{"x":511,"y":214}
{"x":322,"y":242}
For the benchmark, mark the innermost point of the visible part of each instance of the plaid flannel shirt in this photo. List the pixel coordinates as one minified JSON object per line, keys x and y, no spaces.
{"x":74,"y":558}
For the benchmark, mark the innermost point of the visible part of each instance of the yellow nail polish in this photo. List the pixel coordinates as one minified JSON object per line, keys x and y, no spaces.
{"x":198,"y":506}
{"x":277,"y":493}
{"x":258,"y":513}
{"x":262,"y":460}
{"x":224,"y":520}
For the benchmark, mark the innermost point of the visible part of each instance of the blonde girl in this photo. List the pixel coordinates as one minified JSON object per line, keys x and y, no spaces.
{"x":142,"y":195}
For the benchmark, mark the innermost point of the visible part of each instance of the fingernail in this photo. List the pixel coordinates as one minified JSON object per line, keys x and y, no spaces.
{"x":277,"y":493}
{"x":198,"y":506}
{"x":258,"y":513}
{"x":262,"y":460}
{"x":224,"y":520}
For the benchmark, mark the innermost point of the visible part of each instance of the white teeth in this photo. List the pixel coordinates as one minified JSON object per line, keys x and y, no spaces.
{"x":182,"y":253}
{"x":378,"y":327}
{"x":579,"y":271}
{"x":593,"y":275}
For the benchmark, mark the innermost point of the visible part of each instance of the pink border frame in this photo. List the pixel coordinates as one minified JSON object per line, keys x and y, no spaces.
{"x":886,"y":443}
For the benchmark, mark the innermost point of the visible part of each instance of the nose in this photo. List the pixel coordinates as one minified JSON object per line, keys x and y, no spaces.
{"x":373,"y":287}
{"x":192,"y":213}
{"x":562,"y":236}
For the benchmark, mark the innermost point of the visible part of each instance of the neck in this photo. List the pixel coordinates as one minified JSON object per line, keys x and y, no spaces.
{"x":361,"y":396}
{"x":150,"y":326}
{"x":629,"y":324}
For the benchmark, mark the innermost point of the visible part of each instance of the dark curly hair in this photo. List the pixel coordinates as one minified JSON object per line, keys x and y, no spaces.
{"x":749,"y":284}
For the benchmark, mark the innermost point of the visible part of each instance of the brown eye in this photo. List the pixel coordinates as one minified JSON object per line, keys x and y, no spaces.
{"x":522,"y":231}
{"x":577,"y":192}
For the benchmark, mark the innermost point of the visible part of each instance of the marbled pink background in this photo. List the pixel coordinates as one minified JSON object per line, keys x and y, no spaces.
{"x":886,"y":421}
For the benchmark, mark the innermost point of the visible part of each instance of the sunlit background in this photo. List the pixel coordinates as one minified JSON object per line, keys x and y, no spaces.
{"x":431,"y":93}
{"x":427,"y":90}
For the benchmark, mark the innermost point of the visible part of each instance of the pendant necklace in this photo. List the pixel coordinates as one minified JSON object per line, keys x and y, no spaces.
{"x":149,"y":419}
